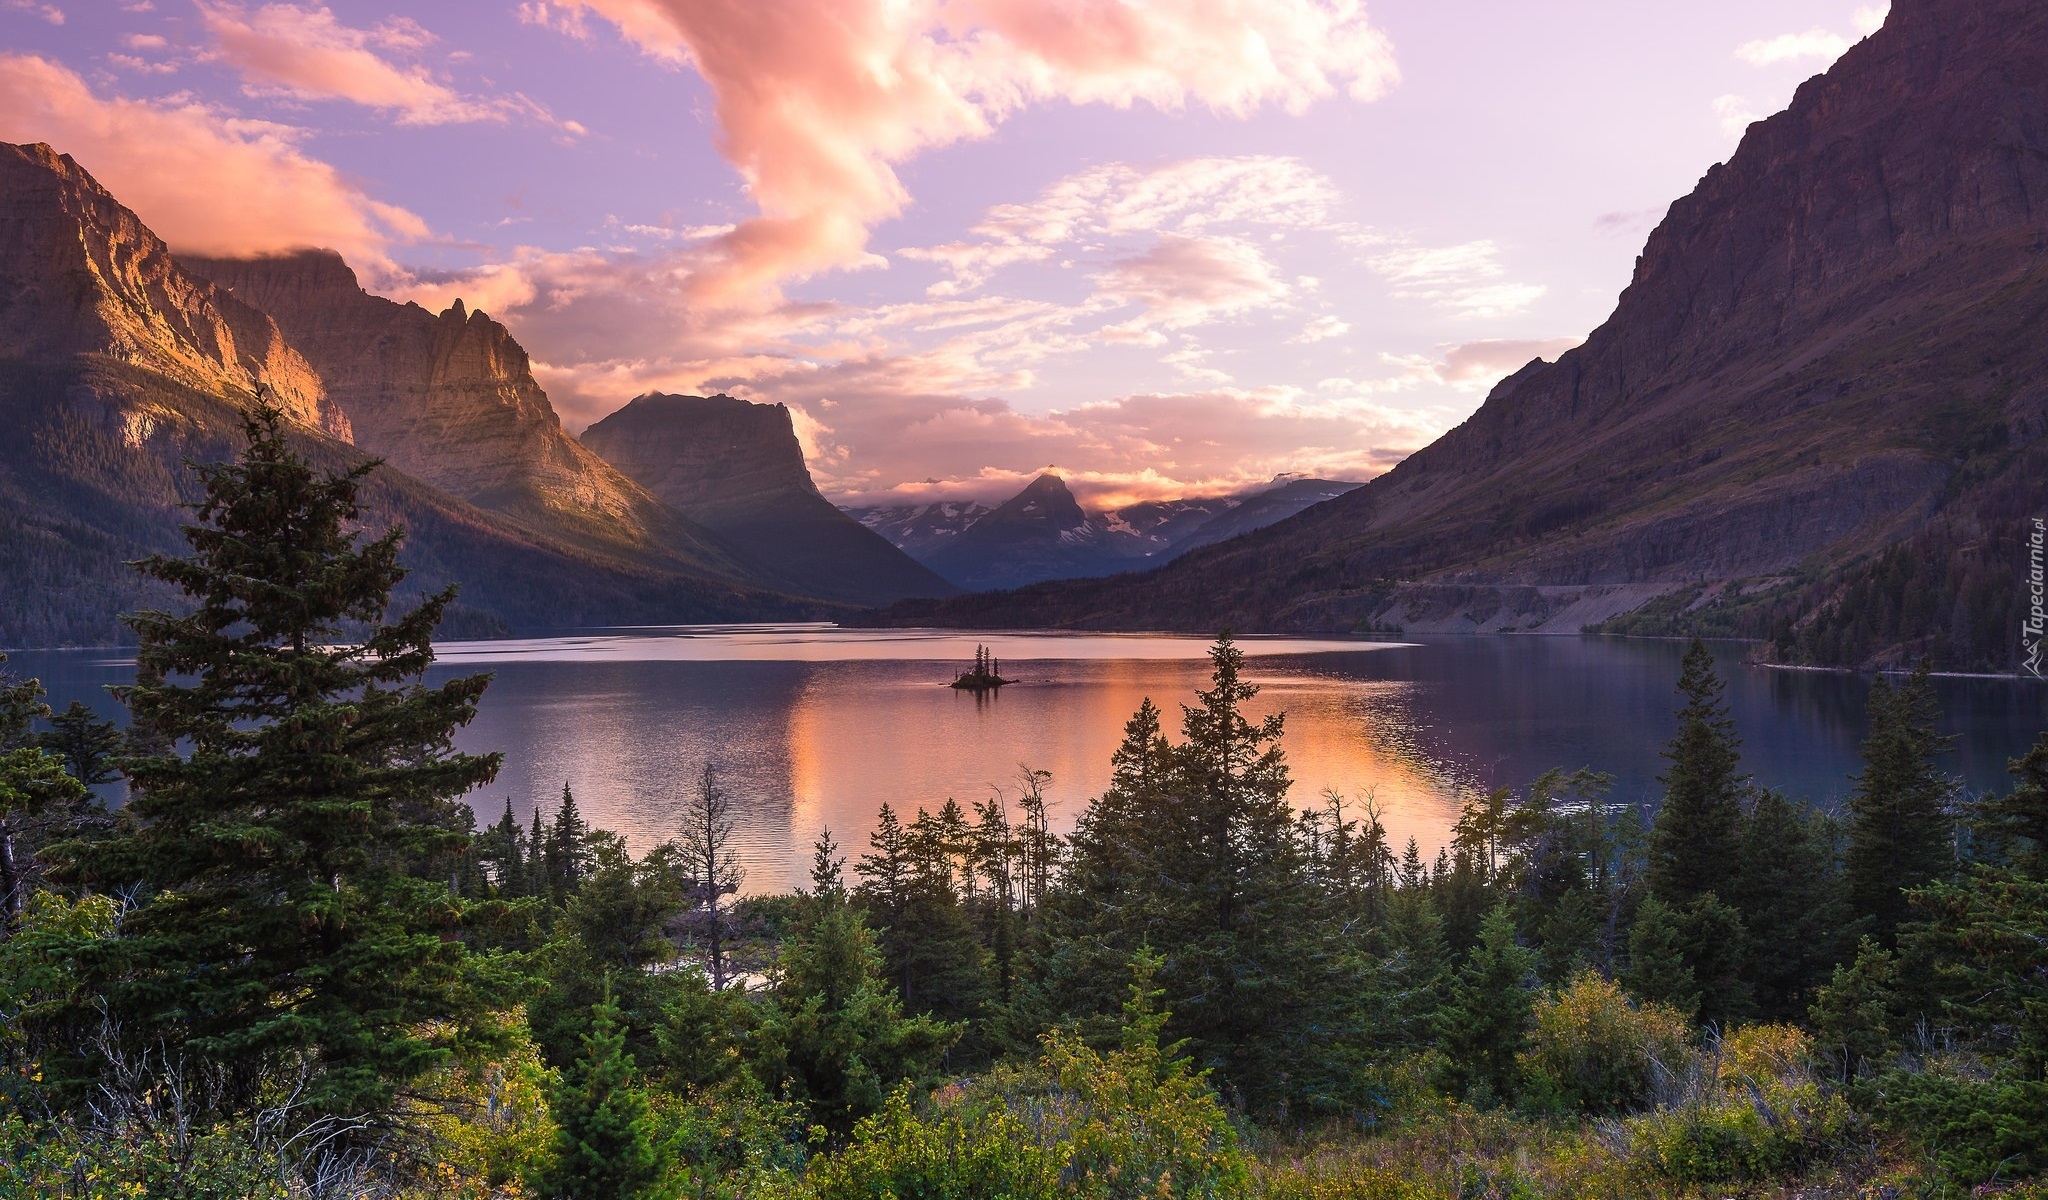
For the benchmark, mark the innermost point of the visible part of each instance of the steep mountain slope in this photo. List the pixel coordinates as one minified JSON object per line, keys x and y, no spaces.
{"x":451,"y":399}
{"x":117,"y":365}
{"x":1260,"y":509}
{"x":1833,"y":344}
{"x":80,"y":274}
{"x":737,"y":469}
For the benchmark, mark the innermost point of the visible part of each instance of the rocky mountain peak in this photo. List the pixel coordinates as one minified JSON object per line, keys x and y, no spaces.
{"x":124,"y":298}
{"x":450,"y":399}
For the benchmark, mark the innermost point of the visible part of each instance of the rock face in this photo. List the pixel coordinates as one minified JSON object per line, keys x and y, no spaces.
{"x":1834,"y":341}
{"x":81,"y":276}
{"x":450,"y":399}
{"x":737,"y":469}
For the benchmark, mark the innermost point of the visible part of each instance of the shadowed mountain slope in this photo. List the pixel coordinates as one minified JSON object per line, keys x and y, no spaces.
{"x":1834,"y":345}
{"x":737,"y":469}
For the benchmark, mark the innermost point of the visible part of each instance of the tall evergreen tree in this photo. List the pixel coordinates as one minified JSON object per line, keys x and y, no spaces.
{"x":566,"y":853}
{"x":1697,"y":831}
{"x":1492,"y":1009}
{"x":1787,"y":889}
{"x":2014,"y":825}
{"x":268,"y":833}
{"x":40,"y":801}
{"x":1900,"y":832}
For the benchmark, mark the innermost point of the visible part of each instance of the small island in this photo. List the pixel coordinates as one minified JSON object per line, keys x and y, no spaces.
{"x":986,"y":675}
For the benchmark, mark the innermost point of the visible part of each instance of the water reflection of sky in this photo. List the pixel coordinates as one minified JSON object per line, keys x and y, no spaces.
{"x":815,"y":727}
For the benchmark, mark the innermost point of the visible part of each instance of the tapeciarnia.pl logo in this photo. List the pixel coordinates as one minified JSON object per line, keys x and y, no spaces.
{"x":2036,"y":620}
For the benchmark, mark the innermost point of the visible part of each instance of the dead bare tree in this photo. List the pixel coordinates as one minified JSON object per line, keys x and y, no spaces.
{"x":711,"y":874}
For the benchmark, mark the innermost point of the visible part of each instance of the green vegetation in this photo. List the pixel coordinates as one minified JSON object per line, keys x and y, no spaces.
{"x":292,"y":967}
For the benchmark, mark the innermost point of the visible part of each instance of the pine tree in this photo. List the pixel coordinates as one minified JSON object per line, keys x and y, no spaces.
{"x":501,"y":848}
{"x":833,"y":1036}
{"x":1715,"y":945}
{"x":1696,"y":833}
{"x":40,"y":801}
{"x":607,"y":1145}
{"x":296,"y":739}
{"x":86,"y":743}
{"x":1900,"y":832}
{"x":568,"y":848}
{"x":2014,"y":825}
{"x":1657,"y":972}
{"x":828,"y":876}
{"x":1788,"y":891}
{"x":1491,"y":1011}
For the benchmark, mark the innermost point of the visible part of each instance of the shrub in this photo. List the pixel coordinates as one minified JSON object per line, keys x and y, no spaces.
{"x":1596,"y":1051}
{"x":1136,"y":1122}
{"x":1747,"y":1108}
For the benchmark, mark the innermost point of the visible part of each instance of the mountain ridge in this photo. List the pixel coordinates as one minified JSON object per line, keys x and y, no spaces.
{"x":1826,"y":347}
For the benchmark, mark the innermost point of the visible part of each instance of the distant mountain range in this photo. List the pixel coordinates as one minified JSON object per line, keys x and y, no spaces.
{"x":1816,"y":416}
{"x":1043,"y":533}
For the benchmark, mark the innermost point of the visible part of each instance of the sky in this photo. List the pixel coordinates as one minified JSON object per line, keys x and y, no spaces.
{"x":1167,"y":248}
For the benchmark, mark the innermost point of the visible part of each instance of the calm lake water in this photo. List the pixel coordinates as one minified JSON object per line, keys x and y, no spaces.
{"x":816,"y":727}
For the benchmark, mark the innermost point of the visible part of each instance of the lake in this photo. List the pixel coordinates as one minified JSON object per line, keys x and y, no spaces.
{"x":814,"y":726}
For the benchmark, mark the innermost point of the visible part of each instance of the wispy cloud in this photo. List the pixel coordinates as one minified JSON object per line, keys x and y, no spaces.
{"x":305,"y":52}
{"x":1118,"y":199}
{"x":1467,"y":279}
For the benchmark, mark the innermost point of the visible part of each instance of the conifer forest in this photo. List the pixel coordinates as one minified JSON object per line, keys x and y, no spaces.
{"x":293,"y":964}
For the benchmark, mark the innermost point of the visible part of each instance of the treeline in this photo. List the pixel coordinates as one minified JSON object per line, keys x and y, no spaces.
{"x":291,"y":965}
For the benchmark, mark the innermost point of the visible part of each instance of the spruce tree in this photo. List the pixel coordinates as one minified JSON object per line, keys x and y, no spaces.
{"x":607,"y":1145}
{"x":87,"y":744}
{"x":568,"y":848}
{"x":267,"y":833}
{"x":833,"y":1036}
{"x":2013,"y":826}
{"x":1900,"y":832}
{"x":1492,"y":1009}
{"x":1694,"y":841}
{"x":41,"y":802}
{"x":1788,"y":891}
{"x":828,"y":875}
{"x":1657,"y":972}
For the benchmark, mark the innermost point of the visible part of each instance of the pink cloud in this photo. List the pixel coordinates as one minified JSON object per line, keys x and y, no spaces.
{"x":207,"y":183}
{"x":819,"y":100}
{"x":307,"y":53}
{"x":1182,"y":281}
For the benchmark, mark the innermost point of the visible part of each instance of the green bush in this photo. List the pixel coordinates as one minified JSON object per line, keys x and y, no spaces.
{"x":1136,"y":1122}
{"x":1596,"y":1051}
{"x":1752,"y":1109}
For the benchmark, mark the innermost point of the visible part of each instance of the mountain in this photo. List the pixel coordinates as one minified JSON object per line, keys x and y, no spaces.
{"x":1824,"y":381}
{"x":1043,"y":533}
{"x":117,"y":365}
{"x":449,"y":399}
{"x":920,"y":529}
{"x":1039,"y":533}
{"x":1259,"y":509}
{"x":737,"y":469}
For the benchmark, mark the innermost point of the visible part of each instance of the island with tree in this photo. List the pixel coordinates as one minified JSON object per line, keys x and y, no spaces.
{"x":986,"y":676}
